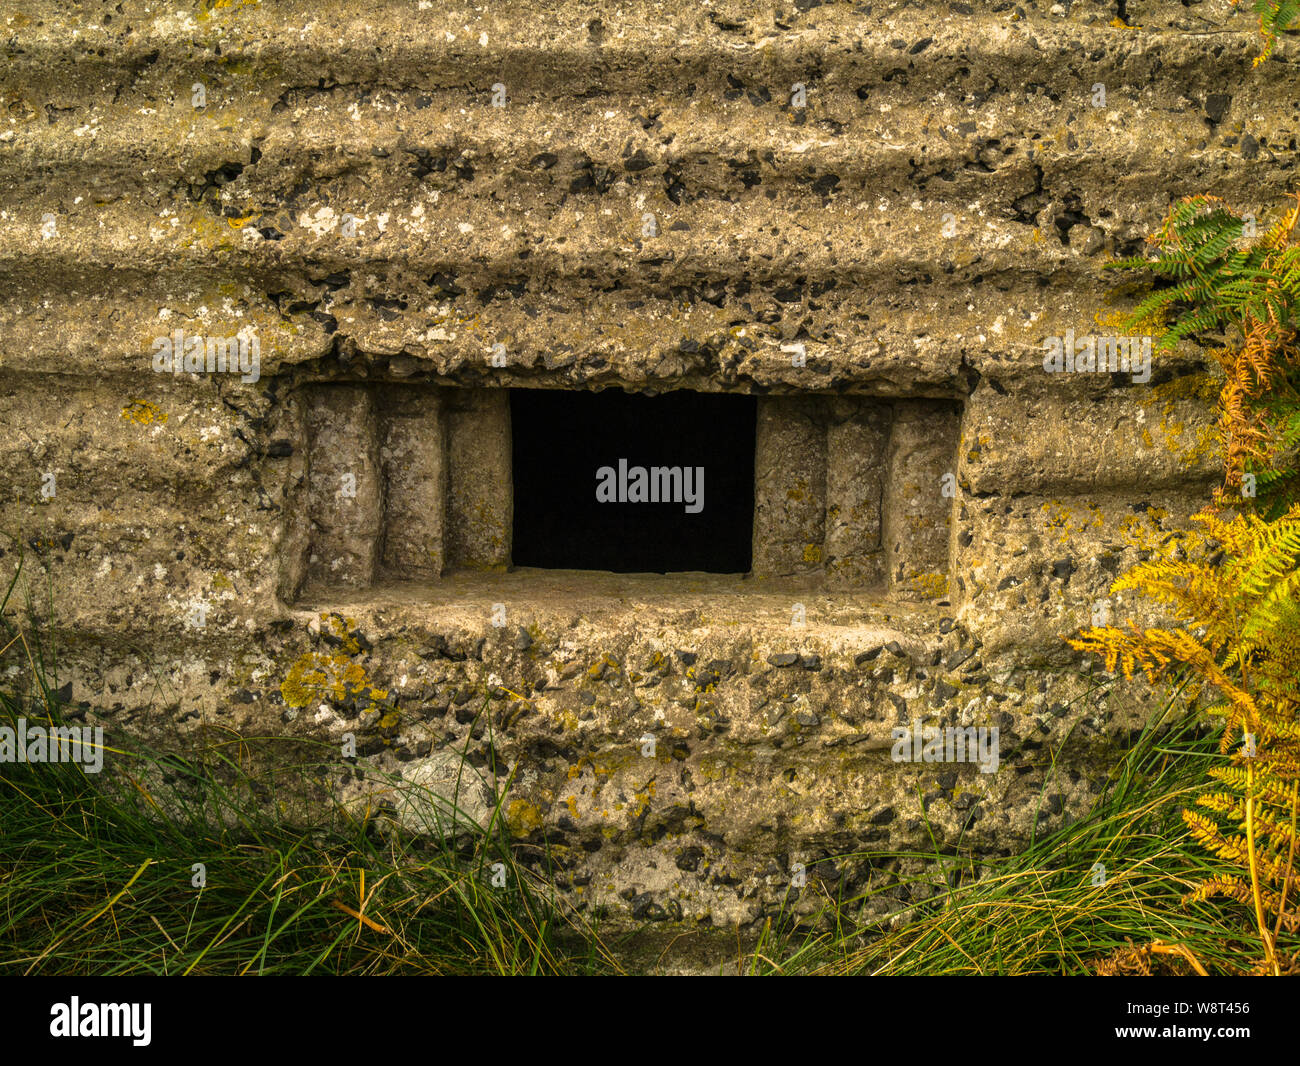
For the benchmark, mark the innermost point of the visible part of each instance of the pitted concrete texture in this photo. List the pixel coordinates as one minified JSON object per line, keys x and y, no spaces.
{"x":869,"y":215}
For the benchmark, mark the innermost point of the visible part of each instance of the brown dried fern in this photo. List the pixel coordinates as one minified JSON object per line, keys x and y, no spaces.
{"x":1238,"y":631}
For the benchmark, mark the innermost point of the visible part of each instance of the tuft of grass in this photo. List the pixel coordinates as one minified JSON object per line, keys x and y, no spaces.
{"x":98,"y":873}
{"x":1047,"y":910}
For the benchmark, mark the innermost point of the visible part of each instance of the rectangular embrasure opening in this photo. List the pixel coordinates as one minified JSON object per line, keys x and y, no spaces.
{"x":631,"y":483}
{"x":409,"y":483}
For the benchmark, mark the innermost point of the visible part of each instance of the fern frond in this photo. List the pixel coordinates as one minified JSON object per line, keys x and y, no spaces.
{"x":1232,"y":887}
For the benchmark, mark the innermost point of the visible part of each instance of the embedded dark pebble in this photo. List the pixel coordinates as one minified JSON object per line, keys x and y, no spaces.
{"x":1216,"y":106}
{"x":958,"y":657}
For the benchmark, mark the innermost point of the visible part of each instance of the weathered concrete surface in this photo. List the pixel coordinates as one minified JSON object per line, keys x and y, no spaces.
{"x":414,"y":454}
{"x":349,"y":194}
{"x":856,"y":442}
{"x":789,"y":487}
{"x":345,"y":494}
{"x":480,"y":500}
{"x":919,"y":472}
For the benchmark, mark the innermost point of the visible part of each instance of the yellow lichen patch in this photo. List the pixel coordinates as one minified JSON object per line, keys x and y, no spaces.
{"x":143,"y":413}
{"x":333,"y":676}
{"x":344,"y":629}
{"x":1144,"y":532}
{"x":523,"y":818}
{"x":643,"y":798}
{"x":1060,"y":517}
{"x":1202,"y":388}
{"x":812,"y":553}
{"x":931,"y":585}
{"x":315,"y":677}
{"x":597,"y":669}
{"x":1115,"y":322}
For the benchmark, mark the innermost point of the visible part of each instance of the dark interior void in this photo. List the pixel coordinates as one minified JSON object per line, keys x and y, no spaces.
{"x":647,"y":458}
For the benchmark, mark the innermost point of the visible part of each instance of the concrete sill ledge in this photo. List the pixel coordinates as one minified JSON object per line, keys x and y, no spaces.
{"x":571,"y":597}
